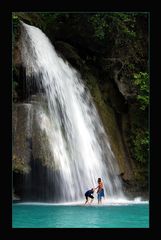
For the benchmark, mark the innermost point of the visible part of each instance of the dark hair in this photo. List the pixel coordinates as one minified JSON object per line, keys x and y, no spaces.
{"x":99,"y":179}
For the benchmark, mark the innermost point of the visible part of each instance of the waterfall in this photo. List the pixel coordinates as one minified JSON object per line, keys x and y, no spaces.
{"x":79,"y":146}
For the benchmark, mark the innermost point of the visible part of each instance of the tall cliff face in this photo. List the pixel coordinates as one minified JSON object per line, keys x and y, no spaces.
{"x":112,"y":92}
{"x":32,"y":158}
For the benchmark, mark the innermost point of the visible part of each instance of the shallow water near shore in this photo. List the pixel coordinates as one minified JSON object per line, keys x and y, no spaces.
{"x":118,"y":214}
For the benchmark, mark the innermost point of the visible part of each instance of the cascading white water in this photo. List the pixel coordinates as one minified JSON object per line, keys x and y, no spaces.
{"x":78,"y":142}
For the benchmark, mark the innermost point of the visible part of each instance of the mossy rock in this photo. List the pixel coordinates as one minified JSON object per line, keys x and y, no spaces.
{"x":108,"y":118}
{"x":69,"y":53}
{"x":31,"y":18}
{"x":20,"y":166}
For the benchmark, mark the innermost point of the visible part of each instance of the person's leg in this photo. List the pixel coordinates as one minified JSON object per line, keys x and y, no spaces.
{"x":86,"y":200}
{"x":101,"y":194}
{"x":98,"y":198}
{"x":92,"y":199}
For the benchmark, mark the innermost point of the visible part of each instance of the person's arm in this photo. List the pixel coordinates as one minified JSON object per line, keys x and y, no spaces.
{"x":98,"y":188}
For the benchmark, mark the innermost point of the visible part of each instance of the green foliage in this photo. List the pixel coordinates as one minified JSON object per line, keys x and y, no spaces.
{"x":120,"y":24}
{"x":15,"y":20}
{"x":141,"y":80}
{"x":140,"y":131}
{"x":99,"y":24}
{"x":124,"y":24}
{"x":140,"y":148}
{"x":141,"y":145}
{"x":15,"y":17}
{"x":53,"y":21}
{"x":49,"y":19}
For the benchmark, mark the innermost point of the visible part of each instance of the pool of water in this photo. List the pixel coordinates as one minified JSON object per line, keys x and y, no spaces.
{"x":31,"y":215}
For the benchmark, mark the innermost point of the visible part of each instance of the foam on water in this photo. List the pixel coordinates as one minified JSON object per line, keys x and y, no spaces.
{"x":105,"y":202}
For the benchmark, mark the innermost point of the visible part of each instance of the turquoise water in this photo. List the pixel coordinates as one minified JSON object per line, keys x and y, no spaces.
{"x":58,"y":216}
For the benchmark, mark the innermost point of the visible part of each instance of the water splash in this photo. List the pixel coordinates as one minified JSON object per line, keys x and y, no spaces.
{"x":78,"y":142}
{"x":106,"y":202}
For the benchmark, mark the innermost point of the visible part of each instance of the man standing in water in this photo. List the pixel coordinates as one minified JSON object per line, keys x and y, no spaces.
{"x":100,"y":191}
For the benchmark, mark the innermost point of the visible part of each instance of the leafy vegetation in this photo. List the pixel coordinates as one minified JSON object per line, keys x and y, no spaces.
{"x":141,"y":145}
{"x":140,"y":127}
{"x":141,"y":80}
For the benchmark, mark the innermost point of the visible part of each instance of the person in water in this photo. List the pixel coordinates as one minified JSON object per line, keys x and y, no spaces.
{"x":89,"y":194}
{"x":100,"y":191}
